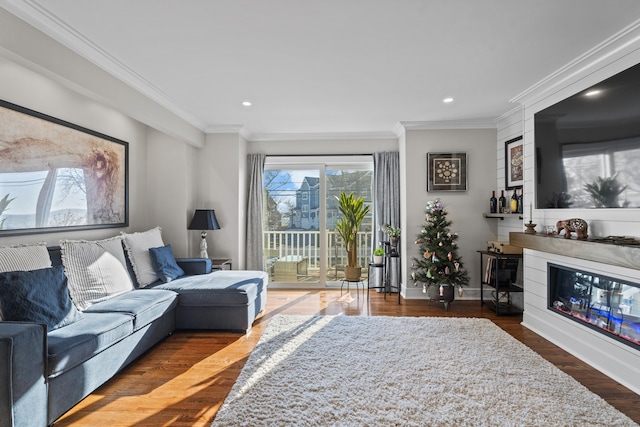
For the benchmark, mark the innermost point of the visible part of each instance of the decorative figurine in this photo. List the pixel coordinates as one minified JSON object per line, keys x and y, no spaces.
{"x":577,"y":225}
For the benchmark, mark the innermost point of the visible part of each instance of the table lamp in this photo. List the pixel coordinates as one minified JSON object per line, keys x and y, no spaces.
{"x":204,"y":219}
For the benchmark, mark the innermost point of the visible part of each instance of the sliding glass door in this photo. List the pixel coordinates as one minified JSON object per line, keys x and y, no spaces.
{"x":301,"y":247}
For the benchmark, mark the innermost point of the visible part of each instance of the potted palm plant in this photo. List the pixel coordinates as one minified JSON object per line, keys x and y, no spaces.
{"x":353,"y":211}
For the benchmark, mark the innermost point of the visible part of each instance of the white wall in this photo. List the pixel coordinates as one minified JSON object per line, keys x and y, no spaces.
{"x":221,"y":185}
{"x":171,"y":190}
{"x":465,"y":209}
{"x":509,"y":126}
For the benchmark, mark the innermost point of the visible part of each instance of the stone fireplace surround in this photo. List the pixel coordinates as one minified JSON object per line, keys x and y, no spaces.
{"x":613,"y":358}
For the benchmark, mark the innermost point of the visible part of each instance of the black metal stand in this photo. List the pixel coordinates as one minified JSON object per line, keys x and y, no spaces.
{"x":391,"y":257}
{"x":492,"y":277}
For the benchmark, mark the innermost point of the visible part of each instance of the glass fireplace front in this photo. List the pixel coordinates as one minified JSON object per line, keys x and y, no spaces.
{"x":606,"y":304}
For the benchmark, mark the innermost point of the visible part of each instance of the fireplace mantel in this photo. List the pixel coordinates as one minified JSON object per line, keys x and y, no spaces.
{"x":618,"y":255}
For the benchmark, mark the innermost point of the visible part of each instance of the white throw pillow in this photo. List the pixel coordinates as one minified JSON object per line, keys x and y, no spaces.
{"x":24,"y":257}
{"x":138,"y":245}
{"x":96,"y":270}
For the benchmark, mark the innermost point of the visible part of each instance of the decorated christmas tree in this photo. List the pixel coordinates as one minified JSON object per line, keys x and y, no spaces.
{"x":439,"y":263}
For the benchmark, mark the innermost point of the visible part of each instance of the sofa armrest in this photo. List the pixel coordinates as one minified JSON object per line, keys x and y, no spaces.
{"x":193,"y":266}
{"x":23,"y":384}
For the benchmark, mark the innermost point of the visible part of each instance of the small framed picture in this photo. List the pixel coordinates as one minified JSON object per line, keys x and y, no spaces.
{"x":514,"y":163}
{"x":447,"y":172}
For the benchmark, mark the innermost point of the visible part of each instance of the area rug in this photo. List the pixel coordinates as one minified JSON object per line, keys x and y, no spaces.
{"x":402,"y":371}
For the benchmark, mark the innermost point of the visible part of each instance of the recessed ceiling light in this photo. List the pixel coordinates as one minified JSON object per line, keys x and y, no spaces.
{"x":246,"y":103}
{"x":593,"y":92}
{"x":447,"y":100}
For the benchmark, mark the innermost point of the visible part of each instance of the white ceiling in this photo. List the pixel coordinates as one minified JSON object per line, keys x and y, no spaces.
{"x":331,"y":66}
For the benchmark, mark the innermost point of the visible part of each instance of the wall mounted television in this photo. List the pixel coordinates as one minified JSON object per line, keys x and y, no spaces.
{"x":587,"y":147}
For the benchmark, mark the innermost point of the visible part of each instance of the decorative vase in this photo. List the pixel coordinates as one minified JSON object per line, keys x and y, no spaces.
{"x":442,"y":293}
{"x":352,"y":273}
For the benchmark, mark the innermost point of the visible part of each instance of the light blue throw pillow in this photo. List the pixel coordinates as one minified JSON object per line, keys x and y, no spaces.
{"x":164,"y":263}
{"x":39,"y":296}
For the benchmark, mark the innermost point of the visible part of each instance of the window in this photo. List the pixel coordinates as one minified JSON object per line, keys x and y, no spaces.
{"x":301,"y":212}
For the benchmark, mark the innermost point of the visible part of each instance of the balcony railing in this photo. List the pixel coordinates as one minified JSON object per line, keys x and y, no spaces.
{"x":306,"y":244}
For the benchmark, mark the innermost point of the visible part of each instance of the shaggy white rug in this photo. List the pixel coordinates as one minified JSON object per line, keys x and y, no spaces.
{"x":402,"y":371}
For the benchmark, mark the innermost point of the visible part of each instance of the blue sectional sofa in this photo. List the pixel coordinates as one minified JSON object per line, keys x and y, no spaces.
{"x":44,"y":373}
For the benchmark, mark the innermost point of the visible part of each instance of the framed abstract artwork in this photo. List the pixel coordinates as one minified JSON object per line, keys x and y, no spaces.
{"x":514,"y":163}
{"x":57,"y":176}
{"x":447,"y":172}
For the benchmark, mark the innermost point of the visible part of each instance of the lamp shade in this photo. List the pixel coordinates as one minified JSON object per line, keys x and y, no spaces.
{"x":204,"y":219}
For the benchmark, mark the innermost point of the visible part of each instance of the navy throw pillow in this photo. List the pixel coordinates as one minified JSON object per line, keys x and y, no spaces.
{"x":38,"y":296}
{"x":164,"y":263}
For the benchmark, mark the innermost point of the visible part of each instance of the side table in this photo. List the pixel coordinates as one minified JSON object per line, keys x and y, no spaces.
{"x":221,"y":264}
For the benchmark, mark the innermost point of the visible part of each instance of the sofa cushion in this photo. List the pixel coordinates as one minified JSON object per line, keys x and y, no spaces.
{"x":164,"y":263}
{"x":144,"y":306}
{"x":96,"y":270}
{"x":24,"y":257}
{"x":220,"y":288}
{"x":138,"y":245}
{"x":38,"y":296}
{"x":75,"y":343}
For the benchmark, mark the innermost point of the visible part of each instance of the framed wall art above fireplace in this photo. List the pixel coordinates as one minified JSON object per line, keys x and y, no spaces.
{"x":58,"y":176}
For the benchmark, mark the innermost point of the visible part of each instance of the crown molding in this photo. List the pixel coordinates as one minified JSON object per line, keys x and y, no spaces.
{"x":326,"y":136}
{"x":617,"y":46}
{"x":514,"y":110}
{"x":48,"y":23}
{"x":453,"y":124}
{"x":239,"y":129}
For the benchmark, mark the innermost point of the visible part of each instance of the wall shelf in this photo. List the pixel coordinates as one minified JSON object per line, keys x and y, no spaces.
{"x":618,"y":255}
{"x":502,"y":216}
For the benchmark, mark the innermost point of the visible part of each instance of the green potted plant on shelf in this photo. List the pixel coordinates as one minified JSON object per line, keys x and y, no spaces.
{"x":393,"y":233}
{"x":353,"y":212}
{"x":378,"y":253}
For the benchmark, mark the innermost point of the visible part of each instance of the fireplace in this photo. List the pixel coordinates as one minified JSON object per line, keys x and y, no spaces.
{"x":608,"y":305}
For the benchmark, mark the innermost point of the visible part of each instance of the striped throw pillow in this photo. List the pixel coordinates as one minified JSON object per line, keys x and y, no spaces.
{"x":24,"y":257}
{"x":96,"y":270}
{"x":138,"y":245}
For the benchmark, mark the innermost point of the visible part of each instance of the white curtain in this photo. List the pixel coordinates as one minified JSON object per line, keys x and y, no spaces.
{"x":254,"y":257}
{"x":386,"y":184}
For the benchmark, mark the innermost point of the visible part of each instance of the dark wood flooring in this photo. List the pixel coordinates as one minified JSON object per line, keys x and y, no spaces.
{"x":183,"y":380}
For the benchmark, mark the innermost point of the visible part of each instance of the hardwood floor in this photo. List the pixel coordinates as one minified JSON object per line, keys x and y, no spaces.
{"x":184,"y":380}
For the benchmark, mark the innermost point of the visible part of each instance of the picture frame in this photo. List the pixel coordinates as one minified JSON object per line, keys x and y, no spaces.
{"x":514,"y":163}
{"x":57,"y":176}
{"x":447,"y":172}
